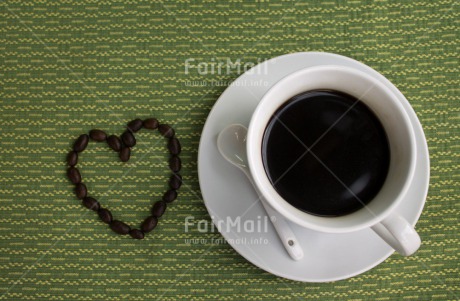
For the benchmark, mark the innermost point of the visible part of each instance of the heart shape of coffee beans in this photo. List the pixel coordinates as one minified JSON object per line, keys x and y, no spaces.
{"x":123,"y":145}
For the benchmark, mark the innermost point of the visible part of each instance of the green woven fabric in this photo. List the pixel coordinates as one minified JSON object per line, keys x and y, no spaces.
{"x":70,"y":66}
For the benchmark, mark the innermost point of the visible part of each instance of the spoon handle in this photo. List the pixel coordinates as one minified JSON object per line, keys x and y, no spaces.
{"x":231,"y":143}
{"x":284,"y":231}
{"x":287,"y":237}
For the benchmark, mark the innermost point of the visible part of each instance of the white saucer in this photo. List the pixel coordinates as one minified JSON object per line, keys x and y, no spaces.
{"x":228,"y":194}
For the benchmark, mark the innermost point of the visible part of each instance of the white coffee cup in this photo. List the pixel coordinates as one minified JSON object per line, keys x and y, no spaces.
{"x":379,"y":214}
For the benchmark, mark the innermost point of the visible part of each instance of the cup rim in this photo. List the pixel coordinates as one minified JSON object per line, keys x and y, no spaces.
{"x":271,"y":195}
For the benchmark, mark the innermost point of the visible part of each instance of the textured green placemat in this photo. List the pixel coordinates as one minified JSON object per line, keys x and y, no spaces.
{"x":70,"y":66}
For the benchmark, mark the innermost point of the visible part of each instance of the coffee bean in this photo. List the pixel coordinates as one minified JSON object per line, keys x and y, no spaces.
{"x":128,"y":139}
{"x":149,"y":224}
{"x":97,"y":135}
{"x":81,"y":143}
{"x":170,"y":196}
{"x":72,"y":158}
{"x":105,"y":215}
{"x":151,"y":123}
{"x":166,"y":130}
{"x":175,"y":163}
{"x":174,"y":146}
{"x":159,"y":208}
{"x":135,"y":125}
{"x":91,"y":203}
{"x":80,"y":190}
{"x":175,"y":181}
{"x":114,"y":142}
{"x":74,"y":175}
{"x":119,"y":227}
{"x":137,"y":234}
{"x":125,"y":154}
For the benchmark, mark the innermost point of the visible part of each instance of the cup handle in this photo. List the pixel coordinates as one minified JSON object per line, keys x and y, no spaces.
{"x":399,"y":234}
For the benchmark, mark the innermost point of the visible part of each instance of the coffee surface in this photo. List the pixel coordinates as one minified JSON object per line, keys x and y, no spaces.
{"x":326,"y":153}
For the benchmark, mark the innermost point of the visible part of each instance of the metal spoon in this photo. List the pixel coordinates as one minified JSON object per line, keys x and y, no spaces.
{"x":231,"y":143}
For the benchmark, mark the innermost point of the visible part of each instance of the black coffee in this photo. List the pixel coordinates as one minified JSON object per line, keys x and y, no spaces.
{"x":348,"y":159}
